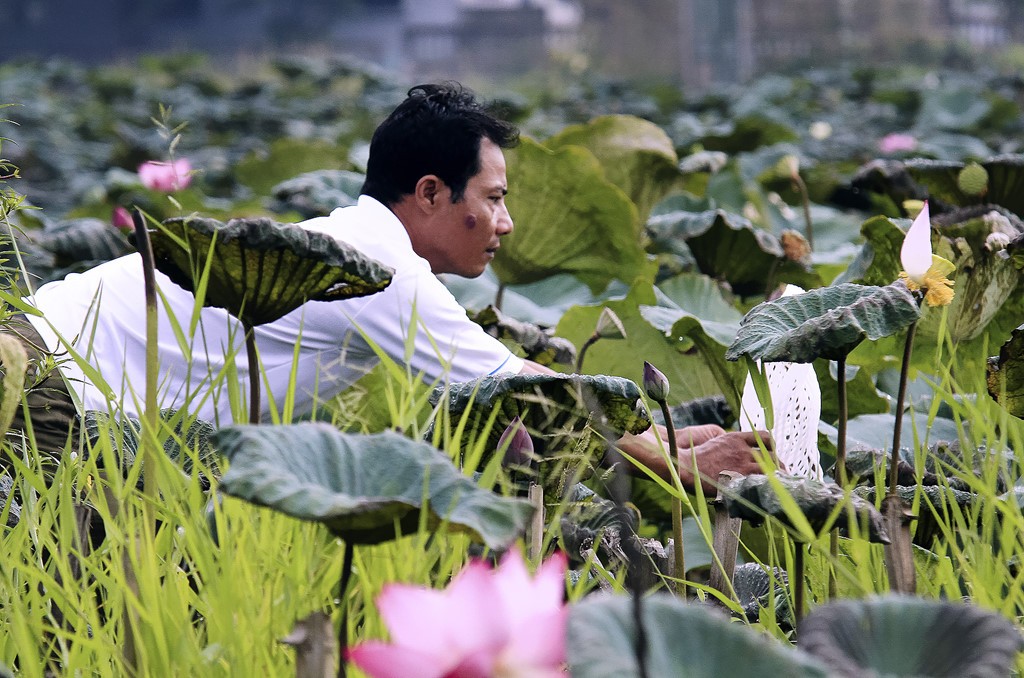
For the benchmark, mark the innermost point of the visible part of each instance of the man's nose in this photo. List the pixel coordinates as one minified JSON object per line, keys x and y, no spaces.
{"x":505,"y":224}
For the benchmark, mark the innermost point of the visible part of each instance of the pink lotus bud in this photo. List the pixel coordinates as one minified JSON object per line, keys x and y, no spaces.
{"x":897,"y":142}
{"x":164,"y":176}
{"x":655,"y":383}
{"x":517,"y":443}
{"x":122,"y":219}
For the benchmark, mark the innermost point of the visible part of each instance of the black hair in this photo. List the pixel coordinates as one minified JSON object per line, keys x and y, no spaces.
{"x":436,"y":130}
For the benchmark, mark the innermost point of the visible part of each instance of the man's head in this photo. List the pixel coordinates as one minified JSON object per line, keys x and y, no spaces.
{"x":436,"y":131}
{"x":437,"y":163}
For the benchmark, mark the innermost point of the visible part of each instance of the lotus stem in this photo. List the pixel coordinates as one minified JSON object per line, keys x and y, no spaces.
{"x":901,"y":396}
{"x":499,"y":297}
{"x":677,"y":505}
{"x":798,"y":593}
{"x":844,"y":413}
{"x":254,"y":373}
{"x":150,"y":486}
{"x":805,"y":199}
{"x":591,"y":340}
{"x":346,"y":575}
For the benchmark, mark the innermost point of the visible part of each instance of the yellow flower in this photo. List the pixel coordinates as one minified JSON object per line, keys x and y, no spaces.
{"x":922,"y":269}
{"x":938,"y":289}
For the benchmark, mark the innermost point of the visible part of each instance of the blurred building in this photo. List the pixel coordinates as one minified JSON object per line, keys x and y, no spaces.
{"x":695,"y":42}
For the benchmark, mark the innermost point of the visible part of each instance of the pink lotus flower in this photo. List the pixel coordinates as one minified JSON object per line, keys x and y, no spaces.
{"x":486,"y":624}
{"x":165,"y":176}
{"x":897,"y":142}
{"x":122,"y":219}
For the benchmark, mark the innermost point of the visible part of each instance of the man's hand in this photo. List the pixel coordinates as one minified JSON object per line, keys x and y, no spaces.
{"x":713,"y":449}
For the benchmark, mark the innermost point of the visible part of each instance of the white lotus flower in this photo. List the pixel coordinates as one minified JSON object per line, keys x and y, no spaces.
{"x":916,"y":253}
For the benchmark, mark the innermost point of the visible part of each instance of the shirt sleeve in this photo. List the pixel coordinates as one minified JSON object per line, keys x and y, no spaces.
{"x":418,"y":322}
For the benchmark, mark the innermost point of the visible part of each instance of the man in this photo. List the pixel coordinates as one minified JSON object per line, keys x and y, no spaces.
{"x":433,"y":203}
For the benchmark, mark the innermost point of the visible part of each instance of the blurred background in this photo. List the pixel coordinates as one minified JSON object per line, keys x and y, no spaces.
{"x":695,"y":43}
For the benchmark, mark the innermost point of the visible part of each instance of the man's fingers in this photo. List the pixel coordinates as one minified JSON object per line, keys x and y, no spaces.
{"x":757,"y":438}
{"x":692,"y":436}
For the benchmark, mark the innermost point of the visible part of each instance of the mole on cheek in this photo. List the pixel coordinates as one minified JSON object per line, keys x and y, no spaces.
{"x":470,"y":221}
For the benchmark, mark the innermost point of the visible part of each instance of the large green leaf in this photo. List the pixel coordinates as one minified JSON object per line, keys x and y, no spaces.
{"x":569,"y":219}
{"x":682,"y":640}
{"x":363,"y":488}
{"x":700,"y":313}
{"x":729,"y":247}
{"x":827,"y":322}
{"x":984,"y":280}
{"x":637,"y":156}
{"x":1006,"y":374}
{"x":1005,"y":181}
{"x":262,"y":269}
{"x":686,"y":369}
{"x":757,"y":496}
{"x":908,"y":636}
{"x":558,"y":410}
{"x":318,"y":193}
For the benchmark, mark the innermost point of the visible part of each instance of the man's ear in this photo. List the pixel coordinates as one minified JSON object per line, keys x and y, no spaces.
{"x":428,"y":191}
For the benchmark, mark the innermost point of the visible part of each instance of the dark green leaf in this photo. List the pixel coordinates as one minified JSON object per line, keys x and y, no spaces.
{"x":1006,"y":374}
{"x":318,"y":193}
{"x":755,"y":497}
{"x":729,"y":247}
{"x":683,"y":640}
{"x":560,"y":411}
{"x":908,"y":636}
{"x":827,"y":322}
{"x":538,"y":344}
{"x":1005,"y":181}
{"x":362,"y":487}
{"x":262,"y":269}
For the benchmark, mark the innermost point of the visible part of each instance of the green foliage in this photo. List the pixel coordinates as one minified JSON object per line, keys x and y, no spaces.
{"x":569,"y":218}
{"x":828,"y":322}
{"x":1006,"y":374}
{"x":364,"y":488}
{"x":262,"y":269}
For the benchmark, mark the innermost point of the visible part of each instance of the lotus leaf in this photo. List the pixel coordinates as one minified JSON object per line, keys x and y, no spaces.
{"x":318,"y":193}
{"x":908,"y":636}
{"x":1006,"y":374}
{"x":687,"y":371}
{"x":827,"y":322}
{"x":83,"y":242}
{"x":755,"y":588}
{"x":569,"y":219}
{"x":560,"y":411}
{"x":637,"y":156}
{"x":682,"y":640}
{"x":187,"y":438}
{"x":729,"y":247}
{"x":1005,"y":182}
{"x":363,"y":488}
{"x":538,"y":344}
{"x":755,"y":497}
{"x":262,"y":269}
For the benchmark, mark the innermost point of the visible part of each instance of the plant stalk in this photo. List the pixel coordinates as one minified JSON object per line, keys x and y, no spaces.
{"x":901,"y":396}
{"x":805,"y":199}
{"x":150,"y":418}
{"x":840,"y":471}
{"x":677,"y":505}
{"x":346,"y":575}
{"x":254,"y":373}
{"x":578,"y":369}
{"x":798,"y":593}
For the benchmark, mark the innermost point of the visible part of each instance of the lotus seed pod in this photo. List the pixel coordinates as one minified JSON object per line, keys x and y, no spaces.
{"x":913,"y":207}
{"x":973,"y":179}
{"x":795,"y":246}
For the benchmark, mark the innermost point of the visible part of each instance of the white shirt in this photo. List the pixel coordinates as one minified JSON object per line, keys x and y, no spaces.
{"x":100,"y":316}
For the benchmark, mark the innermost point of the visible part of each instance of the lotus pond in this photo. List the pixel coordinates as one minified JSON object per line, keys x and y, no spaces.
{"x":654,"y":231}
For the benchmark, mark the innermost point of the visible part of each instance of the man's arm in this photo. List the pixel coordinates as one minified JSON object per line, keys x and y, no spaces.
{"x":714,"y":449}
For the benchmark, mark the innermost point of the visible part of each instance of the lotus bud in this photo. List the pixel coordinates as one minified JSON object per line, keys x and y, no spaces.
{"x":122,"y":219}
{"x":609,"y":326}
{"x":916,"y":253}
{"x":820,"y":130}
{"x":795,"y":246}
{"x":655,"y":383}
{"x":517,"y":443}
{"x":789,"y":166}
{"x":165,"y":176}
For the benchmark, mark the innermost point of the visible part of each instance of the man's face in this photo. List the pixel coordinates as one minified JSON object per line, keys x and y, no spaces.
{"x":471,"y":228}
